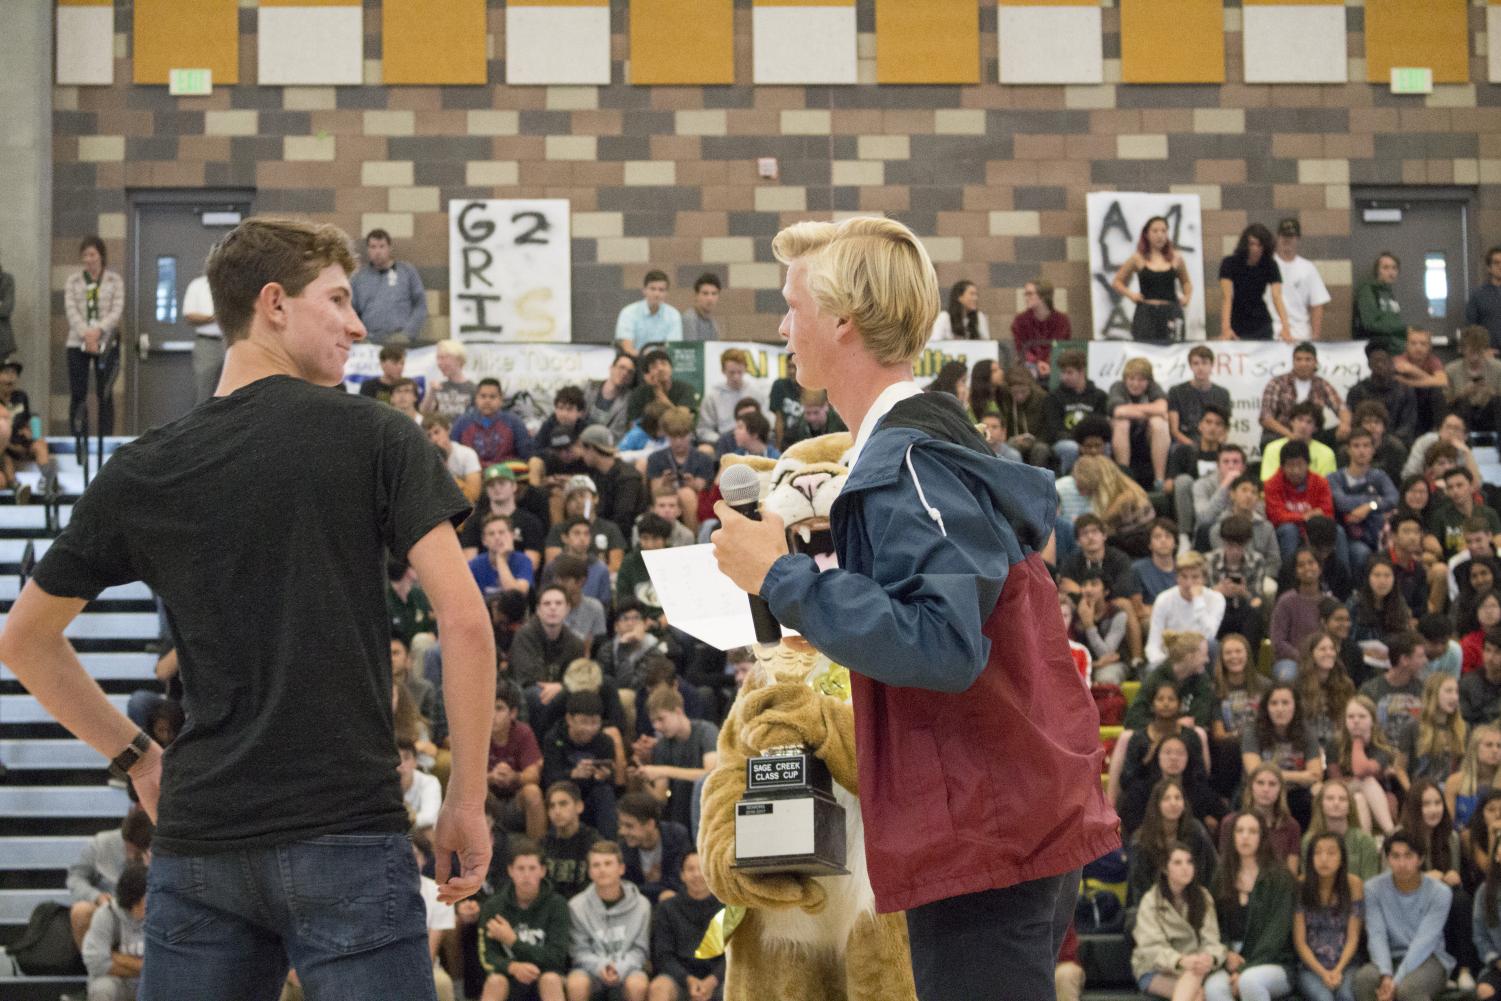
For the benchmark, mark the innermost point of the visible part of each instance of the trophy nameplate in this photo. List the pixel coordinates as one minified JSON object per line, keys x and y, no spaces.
{"x":788,"y":820}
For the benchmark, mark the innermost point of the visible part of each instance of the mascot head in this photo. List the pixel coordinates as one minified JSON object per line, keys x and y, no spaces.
{"x":800,"y":488}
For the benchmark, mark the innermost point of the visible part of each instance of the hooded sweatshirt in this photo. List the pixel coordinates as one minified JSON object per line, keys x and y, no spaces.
{"x":542,"y":931}
{"x":970,"y":715}
{"x":617,"y":933}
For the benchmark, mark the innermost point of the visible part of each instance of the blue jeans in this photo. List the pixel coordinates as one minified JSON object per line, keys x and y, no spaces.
{"x":1312,"y":988}
{"x":345,"y":910}
{"x":1067,"y":451}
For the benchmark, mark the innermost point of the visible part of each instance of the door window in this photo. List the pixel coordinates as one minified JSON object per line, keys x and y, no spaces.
{"x":1436,"y":283}
{"x":166,"y":290}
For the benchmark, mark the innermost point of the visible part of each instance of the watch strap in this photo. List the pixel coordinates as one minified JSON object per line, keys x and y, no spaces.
{"x":124,"y":761}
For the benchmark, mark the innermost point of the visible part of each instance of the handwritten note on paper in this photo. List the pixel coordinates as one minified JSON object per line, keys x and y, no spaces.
{"x":698,"y":599}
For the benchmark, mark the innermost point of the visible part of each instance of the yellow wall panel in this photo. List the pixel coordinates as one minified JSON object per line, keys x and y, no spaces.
{"x":1431,"y":33}
{"x":309,"y":3}
{"x":927,"y":41}
{"x":433,"y":41}
{"x":1292,"y":3}
{"x":802,"y":3}
{"x":1172,"y":41}
{"x":185,"y":34}
{"x":1054,"y":3}
{"x":682,"y":41}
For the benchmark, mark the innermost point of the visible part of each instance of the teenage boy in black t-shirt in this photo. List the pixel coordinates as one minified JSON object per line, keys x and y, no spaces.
{"x":565,"y":850}
{"x":577,"y":749}
{"x":290,"y":739}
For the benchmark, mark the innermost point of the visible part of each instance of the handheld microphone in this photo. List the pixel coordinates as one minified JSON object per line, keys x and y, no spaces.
{"x":741,"y":489}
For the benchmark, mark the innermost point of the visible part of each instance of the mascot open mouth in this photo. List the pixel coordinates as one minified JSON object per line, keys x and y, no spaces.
{"x":812,"y":537}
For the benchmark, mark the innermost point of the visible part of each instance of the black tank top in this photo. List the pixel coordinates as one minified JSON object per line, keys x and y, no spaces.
{"x":1158,"y":284}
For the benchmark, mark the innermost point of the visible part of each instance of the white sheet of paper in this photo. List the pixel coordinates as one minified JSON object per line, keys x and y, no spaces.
{"x":700,"y":600}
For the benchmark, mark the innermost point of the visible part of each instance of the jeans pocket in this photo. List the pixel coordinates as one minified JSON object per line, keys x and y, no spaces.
{"x":175,"y":910}
{"x":342,"y":889}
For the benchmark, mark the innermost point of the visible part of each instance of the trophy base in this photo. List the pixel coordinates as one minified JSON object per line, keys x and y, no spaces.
{"x":800,"y":865}
{"x":802,"y":834}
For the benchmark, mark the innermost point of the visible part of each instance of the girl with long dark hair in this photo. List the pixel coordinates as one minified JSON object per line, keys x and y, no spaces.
{"x":962,"y":319}
{"x":1164,"y":288}
{"x":1245,"y":277}
{"x":1326,"y":924}
{"x":1253,"y":899}
{"x":1377,"y":609}
{"x":1169,"y":820}
{"x":1176,"y":938}
{"x":1281,"y":738}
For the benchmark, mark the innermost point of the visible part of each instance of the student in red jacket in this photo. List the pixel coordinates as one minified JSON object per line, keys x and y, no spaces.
{"x":977,"y":741}
{"x":1293,"y":495}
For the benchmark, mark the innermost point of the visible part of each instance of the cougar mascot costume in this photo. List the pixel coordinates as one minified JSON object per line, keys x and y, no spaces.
{"x":799,"y":938}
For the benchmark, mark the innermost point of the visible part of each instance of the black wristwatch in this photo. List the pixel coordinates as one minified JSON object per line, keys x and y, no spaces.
{"x":126,"y":759}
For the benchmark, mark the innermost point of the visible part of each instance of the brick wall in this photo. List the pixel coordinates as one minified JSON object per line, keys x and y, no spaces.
{"x":993,"y":177}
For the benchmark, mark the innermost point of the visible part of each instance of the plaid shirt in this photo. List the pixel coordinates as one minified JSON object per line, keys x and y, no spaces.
{"x":1252,"y":567}
{"x":1281,"y":395}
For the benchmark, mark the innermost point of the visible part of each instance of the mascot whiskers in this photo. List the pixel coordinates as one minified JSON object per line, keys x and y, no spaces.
{"x":794,"y":937}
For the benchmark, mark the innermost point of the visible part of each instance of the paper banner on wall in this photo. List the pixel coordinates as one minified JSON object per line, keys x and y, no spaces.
{"x":1242,"y":367}
{"x":1115,"y":221}
{"x":698,"y":363}
{"x":509,"y":270}
{"x":529,"y":374}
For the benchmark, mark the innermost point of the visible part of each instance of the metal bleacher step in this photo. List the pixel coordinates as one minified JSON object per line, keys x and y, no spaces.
{"x":26,"y":709}
{"x":30,"y":517}
{"x":143,"y":626}
{"x":64,"y":801}
{"x":48,"y":754}
{"x":10,"y":589}
{"x":43,"y":853}
{"x":108,"y":667}
{"x":11,"y":550}
{"x":16,"y":905}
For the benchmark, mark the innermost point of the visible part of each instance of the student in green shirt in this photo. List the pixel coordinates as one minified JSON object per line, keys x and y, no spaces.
{"x":524,"y":931}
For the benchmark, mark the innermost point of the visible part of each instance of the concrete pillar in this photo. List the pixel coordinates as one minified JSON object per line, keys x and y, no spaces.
{"x":26,"y":183}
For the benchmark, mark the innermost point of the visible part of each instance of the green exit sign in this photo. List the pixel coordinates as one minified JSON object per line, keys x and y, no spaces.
{"x":190,"y":82}
{"x":1412,"y":80}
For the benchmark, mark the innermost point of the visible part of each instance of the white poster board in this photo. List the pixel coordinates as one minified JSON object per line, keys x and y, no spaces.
{"x":1242,"y":367}
{"x":1115,"y":221}
{"x":529,"y":374}
{"x":509,"y":270}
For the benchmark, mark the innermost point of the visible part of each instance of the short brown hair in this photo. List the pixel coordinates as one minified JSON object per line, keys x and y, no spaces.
{"x":737,"y":355}
{"x":603,"y":847}
{"x":1073,"y":358}
{"x":663,"y":700}
{"x":261,"y":251}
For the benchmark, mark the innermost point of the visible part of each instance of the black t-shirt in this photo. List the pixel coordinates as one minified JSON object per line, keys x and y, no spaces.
{"x":1115,"y":568}
{"x":527,"y":530}
{"x":1248,"y":313}
{"x":1188,"y":402}
{"x":271,"y":562}
{"x":1193,"y":462}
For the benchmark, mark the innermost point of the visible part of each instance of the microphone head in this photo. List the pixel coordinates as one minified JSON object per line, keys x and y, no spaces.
{"x":740,"y":485}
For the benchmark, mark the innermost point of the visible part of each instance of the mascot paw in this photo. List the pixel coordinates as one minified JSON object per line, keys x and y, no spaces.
{"x":781,"y":715}
{"x":779,"y":892}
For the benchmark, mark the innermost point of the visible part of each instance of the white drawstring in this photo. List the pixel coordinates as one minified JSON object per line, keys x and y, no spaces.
{"x":933,"y":512}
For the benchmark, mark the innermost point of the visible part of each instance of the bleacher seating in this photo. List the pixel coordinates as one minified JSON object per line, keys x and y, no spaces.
{"x":56,"y":792}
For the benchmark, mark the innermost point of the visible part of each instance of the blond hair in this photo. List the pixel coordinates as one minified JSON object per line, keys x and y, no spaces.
{"x":1138,"y":366}
{"x":872,"y":270}
{"x":1436,"y":733}
{"x":1471,"y":781}
{"x":677,"y":422}
{"x":1102,"y":481}
{"x":453,"y":348}
{"x":1181,"y":644}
